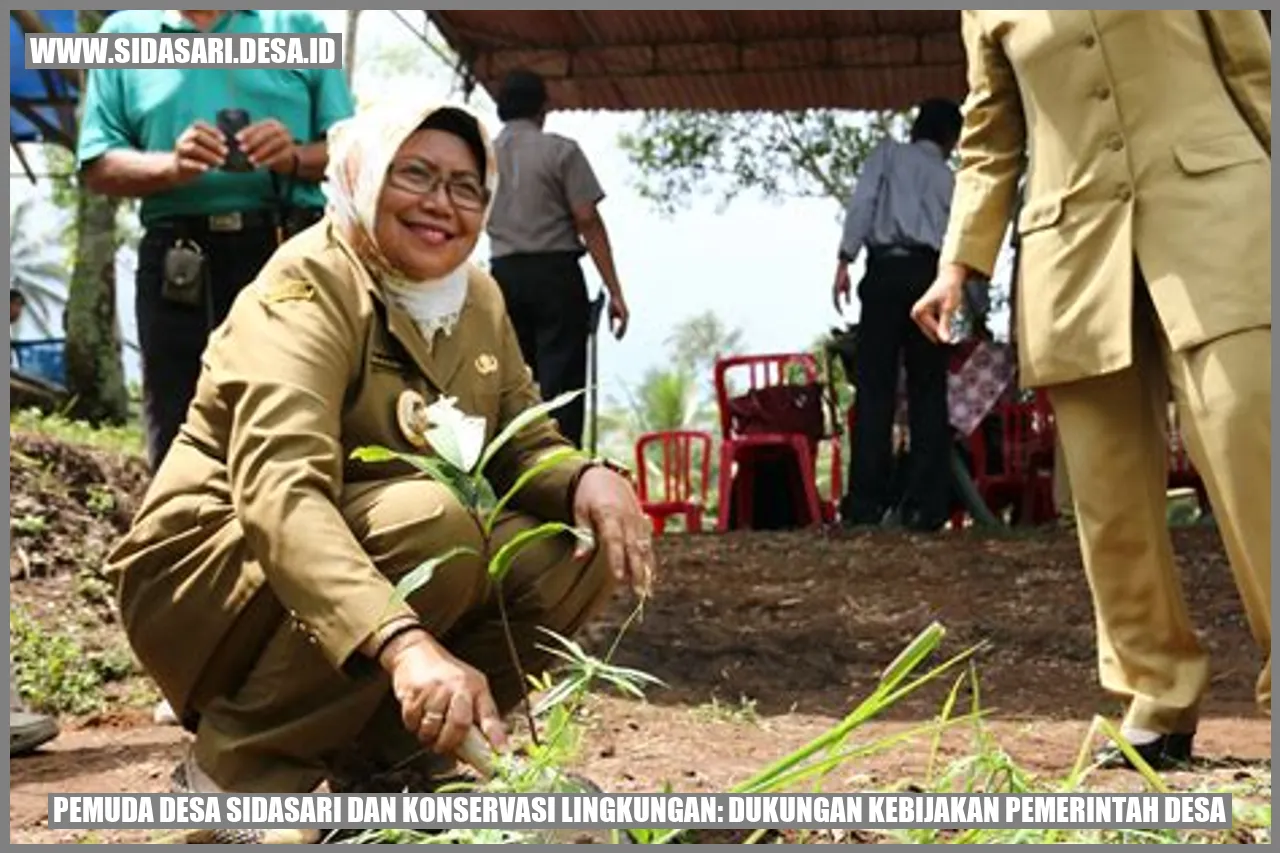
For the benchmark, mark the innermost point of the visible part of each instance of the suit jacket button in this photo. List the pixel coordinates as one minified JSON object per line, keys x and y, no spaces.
{"x":1116,"y":143}
{"x":1102,"y":93}
{"x":1125,"y":194}
{"x":1089,"y":40}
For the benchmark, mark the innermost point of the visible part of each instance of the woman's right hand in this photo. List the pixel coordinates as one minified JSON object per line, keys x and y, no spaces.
{"x":441,"y":698}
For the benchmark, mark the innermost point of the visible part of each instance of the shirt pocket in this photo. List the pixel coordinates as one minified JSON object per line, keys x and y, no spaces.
{"x":1039,"y":214}
{"x":1205,"y":156}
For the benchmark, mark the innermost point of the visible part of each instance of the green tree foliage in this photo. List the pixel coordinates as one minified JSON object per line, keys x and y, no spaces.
{"x":697,"y":342}
{"x":681,"y":156}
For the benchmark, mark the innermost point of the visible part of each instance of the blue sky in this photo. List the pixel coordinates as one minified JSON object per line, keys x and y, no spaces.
{"x":763,"y":266}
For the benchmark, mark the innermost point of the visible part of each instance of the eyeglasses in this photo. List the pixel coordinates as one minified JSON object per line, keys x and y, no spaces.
{"x":465,"y":191}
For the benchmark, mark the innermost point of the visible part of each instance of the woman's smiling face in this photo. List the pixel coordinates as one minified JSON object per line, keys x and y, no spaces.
{"x":432,"y":205}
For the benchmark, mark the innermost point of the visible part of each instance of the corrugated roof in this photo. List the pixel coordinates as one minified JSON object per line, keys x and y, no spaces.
{"x":717,"y":60}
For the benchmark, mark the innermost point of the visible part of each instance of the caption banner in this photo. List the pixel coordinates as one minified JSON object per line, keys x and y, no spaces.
{"x":621,"y":811}
{"x":188,"y":50}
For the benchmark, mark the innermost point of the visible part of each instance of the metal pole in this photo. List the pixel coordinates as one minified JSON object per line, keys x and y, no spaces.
{"x":594,"y":311}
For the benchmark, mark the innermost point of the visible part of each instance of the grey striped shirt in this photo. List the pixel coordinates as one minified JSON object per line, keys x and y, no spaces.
{"x":902,"y":199}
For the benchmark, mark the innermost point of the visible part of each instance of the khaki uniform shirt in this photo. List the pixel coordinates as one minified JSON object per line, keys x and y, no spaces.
{"x":308,"y":367}
{"x":542,"y":177}
{"x":1148,"y":135}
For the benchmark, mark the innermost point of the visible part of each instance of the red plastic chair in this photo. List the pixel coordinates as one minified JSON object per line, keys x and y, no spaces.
{"x":739,"y":451}
{"x":680,"y":494}
{"x":1023,"y":475}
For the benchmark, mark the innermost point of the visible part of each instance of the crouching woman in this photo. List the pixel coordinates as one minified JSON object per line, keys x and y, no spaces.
{"x":257,"y":581}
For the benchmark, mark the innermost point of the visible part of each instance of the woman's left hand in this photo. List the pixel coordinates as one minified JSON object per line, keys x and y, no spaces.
{"x":606,"y":504}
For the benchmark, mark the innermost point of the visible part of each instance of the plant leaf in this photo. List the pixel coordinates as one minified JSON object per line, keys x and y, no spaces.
{"x":463,"y":485}
{"x":374,"y":453}
{"x":421,"y":576}
{"x":912,"y":655}
{"x":485,"y":498}
{"x":501,"y":562}
{"x":523,"y":420}
{"x":552,"y":459}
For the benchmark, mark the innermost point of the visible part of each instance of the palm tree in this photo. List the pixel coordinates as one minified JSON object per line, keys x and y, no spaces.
{"x":37,"y":267}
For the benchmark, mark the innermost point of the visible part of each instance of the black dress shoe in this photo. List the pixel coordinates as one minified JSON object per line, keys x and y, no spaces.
{"x":1167,"y":752}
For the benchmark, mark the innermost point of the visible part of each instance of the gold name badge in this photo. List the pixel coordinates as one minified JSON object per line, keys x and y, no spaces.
{"x":411,"y":416}
{"x":486,"y":364}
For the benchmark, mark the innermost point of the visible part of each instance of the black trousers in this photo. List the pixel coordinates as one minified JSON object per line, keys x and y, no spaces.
{"x":546,"y":298}
{"x":888,"y":337}
{"x":172,"y":335}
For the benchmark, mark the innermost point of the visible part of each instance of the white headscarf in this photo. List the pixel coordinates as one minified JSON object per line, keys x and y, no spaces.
{"x":361,"y":150}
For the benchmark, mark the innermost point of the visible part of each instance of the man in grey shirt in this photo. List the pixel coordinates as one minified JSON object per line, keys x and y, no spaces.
{"x":898,"y":214}
{"x":545,"y":215}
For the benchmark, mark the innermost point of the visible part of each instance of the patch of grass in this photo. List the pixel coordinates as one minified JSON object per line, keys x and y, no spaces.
{"x":127,"y":439}
{"x":140,"y":693}
{"x":92,"y":588}
{"x":51,"y":668}
{"x":55,"y":674}
{"x":101,"y":501}
{"x":29,"y":525}
{"x":114,"y":664}
{"x":742,"y":713}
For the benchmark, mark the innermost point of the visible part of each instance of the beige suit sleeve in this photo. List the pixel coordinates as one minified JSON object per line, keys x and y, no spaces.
{"x":548,"y":496}
{"x":284,"y":371}
{"x":1242,"y":47}
{"x":991,"y":151}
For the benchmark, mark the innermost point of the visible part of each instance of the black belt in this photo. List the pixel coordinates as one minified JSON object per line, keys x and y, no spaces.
{"x":886,"y":252}
{"x":237,"y":222}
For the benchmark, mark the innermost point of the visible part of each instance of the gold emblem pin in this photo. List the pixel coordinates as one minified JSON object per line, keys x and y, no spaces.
{"x":411,"y":415}
{"x":486,"y":364}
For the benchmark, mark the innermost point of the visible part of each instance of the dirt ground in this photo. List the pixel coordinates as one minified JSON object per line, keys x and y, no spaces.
{"x":762,"y":641}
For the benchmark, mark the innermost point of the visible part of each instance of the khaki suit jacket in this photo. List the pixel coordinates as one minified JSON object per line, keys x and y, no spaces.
{"x":1147,"y":136}
{"x":310,"y":365}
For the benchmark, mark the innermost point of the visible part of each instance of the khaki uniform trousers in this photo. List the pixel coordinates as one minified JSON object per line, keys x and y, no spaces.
{"x":274,"y":713}
{"x":1113,"y":434}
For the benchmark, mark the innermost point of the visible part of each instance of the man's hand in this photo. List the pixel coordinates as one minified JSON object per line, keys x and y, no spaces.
{"x":267,"y":143}
{"x":199,"y":149}
{"x":619,"y":314}
{"x":935,"y":309}
{"x":606,"y":504}
{"x":441,"y":698}
{"x":841,"y":288}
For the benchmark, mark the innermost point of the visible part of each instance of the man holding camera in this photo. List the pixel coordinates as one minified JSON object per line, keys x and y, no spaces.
{"x":227,"y":163}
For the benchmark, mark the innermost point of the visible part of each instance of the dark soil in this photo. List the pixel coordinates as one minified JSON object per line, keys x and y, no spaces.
{"x":762,"y":640}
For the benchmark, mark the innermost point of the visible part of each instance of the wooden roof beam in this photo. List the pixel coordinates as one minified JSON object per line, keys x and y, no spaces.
{"x":594,"y":34}
{"x":706,"y":59}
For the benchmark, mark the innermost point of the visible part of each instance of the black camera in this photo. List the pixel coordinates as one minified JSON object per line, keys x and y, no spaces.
{"x":231,"y":122}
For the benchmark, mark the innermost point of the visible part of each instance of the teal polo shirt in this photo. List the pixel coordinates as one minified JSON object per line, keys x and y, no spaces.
{"x":148,"y":109}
